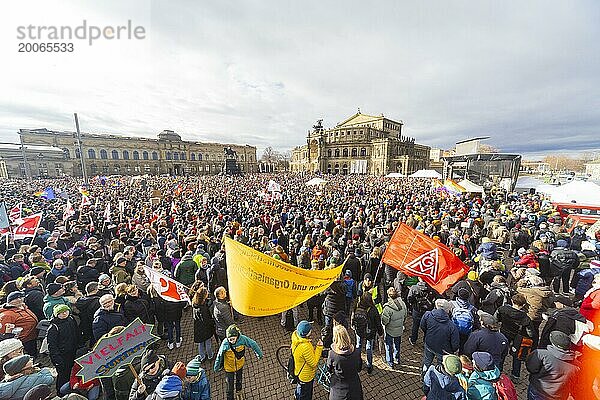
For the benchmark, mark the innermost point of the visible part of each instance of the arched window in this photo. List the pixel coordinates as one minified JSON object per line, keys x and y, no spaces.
{"x":154,"y":155}
{"x":329,"y":168}
{"x":103,"y":154}
{"x":168,"y":155}
{"x":77,"y":153}
{"x":363,"y":152}
{"x":115,"y":155}
{"x":176,"y":156}
{"x":125,"y":155}
{"x":337,"y":152}
{"x":345,"y":152}
{"x":136,"y":155}
{"x":145,"y":155}
{"x":193,"y":155}
{"x":199,"y":157}
{"x":182,"y":156}
{"x":92,"y":154}
{"x":354,"y":152}
{"x":329,"y":153}
{"x":66,"y":153}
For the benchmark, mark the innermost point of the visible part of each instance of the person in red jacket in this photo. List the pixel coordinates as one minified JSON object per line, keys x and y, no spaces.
{"x":90,"y":389}
{"x":590,"y":307}
{"x":529,"y":259}
{"x":16,"y":318}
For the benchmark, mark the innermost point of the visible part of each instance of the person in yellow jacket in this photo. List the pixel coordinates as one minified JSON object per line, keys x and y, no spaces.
{"x":306,"y":359}
{"x":231,"y":357}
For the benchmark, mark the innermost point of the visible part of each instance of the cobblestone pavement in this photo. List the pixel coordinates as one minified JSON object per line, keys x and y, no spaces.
{"x":265,"y":379}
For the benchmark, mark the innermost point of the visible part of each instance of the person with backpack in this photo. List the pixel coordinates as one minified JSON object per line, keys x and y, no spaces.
{"x":305,"y":359}
{"x":553,"y":371}
{"x":481,"y":381}
{"x":231,"y":357}
{"x":464,"y":315}
{"x":366,"y":322}
{"x":441,"y":334}
{"x":562,"y":262}
{"x":488,"y":339}
{"x":518,"y":329}
{"x":582,"y":280}
{"x":420,"y":300}
{"x":392,"y":318}
{"x":350,"y":285}
{"x":440,"y":381}
{"x":498,"y":295}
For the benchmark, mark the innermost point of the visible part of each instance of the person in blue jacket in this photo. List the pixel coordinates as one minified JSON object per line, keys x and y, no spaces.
{"x":440,"y":381}
{"x":196,"y":386}
{"x":441,"y":334}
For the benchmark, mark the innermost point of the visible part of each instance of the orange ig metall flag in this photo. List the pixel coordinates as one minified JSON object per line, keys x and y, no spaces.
{"x":416,"y":254}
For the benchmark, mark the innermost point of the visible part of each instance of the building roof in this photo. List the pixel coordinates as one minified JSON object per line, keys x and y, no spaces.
{"x":473,"y":139}
{"x":31,"y":147}
{"x":362,"y":118}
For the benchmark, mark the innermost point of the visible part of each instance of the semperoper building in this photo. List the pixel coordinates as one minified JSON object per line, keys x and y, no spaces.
{"x":362,"y":144}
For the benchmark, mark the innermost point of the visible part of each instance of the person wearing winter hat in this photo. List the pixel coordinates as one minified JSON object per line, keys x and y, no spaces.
{"x":196,"y":385}
{"x":151,"y":367}
{"x":171,"y":385}
{"x":40,"y":392}
{"x":441,"y":333}
{"x":17,"y":318}
{"x":231,"y":357}
{"x":440,"y":381}
{"x":562,"y":262}
{"x":9,"y":349}
{"x":306,"y":358}
{"x":481,"y":381}
{"x":22,"y":377}
{"x":119,"y":272}
{"x":553,"y":371}
{"x":488,"y":339}
{"x":54,"y":296}
{"x":63,"y":338}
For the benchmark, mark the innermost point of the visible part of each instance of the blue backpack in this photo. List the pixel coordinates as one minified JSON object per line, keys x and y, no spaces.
{"x":349,"y":288}
{"x":463,"y":318}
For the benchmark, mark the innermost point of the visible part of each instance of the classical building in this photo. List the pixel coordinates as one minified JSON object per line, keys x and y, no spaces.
{"x":36,"y":161}
{"x":127,"y":155}
{"x":592,"y":169}
{"x":362,"y":144}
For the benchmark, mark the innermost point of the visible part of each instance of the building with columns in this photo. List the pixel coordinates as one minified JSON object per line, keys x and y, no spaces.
{"x":128,"y":155}
{"x":362,"y":144}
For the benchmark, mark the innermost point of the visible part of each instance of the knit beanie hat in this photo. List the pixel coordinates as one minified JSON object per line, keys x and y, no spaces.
{"x":463,"y":294}
{"x":483,"y":361}
{"x":561,"y":243}
{"x":193,"y":367}
{"x":149,"y":357}
{"x":232,"y":331}
{"x":16,"y":365}
{"x":560,"y":340}
{"x":53,"y":287}
{"x":303,"y":328}
{"x":40,"y":392}
{"x":7,"y":346}
{"x":452,"y":364}
{"x":14,"y":296}
{"x":59,"y":308}
{"x":472,"y":275}
{"x":179,"y":370}
{"x":169,"y":387}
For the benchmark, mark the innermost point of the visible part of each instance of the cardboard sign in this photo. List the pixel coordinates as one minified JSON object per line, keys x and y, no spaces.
{"x":112,"y":352}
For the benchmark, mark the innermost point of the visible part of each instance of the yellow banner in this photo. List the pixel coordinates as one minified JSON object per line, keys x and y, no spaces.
{"x":260,"y":285}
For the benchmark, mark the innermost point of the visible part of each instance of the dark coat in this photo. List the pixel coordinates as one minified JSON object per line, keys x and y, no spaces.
{"x":552,"y":372}
{"x":335,"y":299}
{"x":353,"y":264}
{"x":173,"y":311}
{"x":105,"y":320}
{"x":560,"y":320}
{"x":514,"y":322}
{"x":204,"y":324}
{"x":441,"y":334}
{"x":34,"y":299}
{"x":63,"y":340}
{"x":87,"y":306}
{"x":492,"y":342}
{"x":151,"y":381}
{"x":345,"y":381}
{"x":85,"y":275}
{"x":137,"y":307}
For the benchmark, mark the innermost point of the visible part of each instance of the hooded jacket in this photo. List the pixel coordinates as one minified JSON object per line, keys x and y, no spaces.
{"x":438,"y":385}
{"x":50,"y":302}
{"x":226,"y":358}
{"x":63,"y":339}
{"x":335,"y":299}
{"x":185,"y":271}
{"x":169,"y":387}
{"x":17,"y":388}
{"x":552,"y":371}
{"x":539,"y":300}
{"x":393,"y":316}
{"x":222,"y":316}
{"x":514,"y":322}
{"x":441,"y":334}
{"x":563,"y":320}
{"x":492,"y":342}
{"x":481,"y":385}
{"x":306,"y":357}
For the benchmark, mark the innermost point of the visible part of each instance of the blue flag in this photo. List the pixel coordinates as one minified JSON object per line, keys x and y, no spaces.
{"x":4,"y":221}
{"x":48,"y":194}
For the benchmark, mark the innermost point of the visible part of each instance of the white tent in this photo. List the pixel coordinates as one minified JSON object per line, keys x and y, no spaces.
{"x":394,"y":175}
{"x":528,"y":182}
{"x":426,"y":173}
{"x":470,"y":186}
{"x":316,"y":182}
{"x":579,"y":191}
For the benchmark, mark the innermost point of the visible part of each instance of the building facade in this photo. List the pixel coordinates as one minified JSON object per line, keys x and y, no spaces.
{"x":592,"y":169}
{"x":126,"y":155}
{"x":362,"y":144}
{"x":31,"y":160}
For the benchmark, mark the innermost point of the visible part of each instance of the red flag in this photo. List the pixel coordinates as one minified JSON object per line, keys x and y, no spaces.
{"x":15,"y":213}
{"x":416,"y":254}
{"x":28,"y":227}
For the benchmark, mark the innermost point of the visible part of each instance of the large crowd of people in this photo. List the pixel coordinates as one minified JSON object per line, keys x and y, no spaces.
{"x":531,"y":296}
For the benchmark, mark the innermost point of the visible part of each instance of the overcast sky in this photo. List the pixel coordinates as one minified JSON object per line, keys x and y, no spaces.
{"x":262,"y":72}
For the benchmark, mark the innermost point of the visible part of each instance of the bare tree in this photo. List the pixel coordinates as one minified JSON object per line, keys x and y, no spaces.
{"x":488,"y":148}
{"x":270,"y":155}
{"x":564,"y":163}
